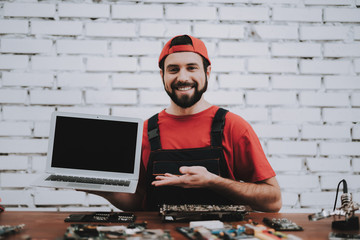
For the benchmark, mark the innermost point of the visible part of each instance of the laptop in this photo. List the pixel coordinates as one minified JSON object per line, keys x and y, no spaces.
{"x":93,"y":152}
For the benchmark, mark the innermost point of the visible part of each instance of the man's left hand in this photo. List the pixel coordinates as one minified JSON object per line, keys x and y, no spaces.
{"x":193,"y":177}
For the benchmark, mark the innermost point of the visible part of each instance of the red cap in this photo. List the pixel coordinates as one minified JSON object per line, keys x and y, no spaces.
{"x":197,"y":46}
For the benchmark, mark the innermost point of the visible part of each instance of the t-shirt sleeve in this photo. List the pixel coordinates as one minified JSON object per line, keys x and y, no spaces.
{"x":248,"y":162}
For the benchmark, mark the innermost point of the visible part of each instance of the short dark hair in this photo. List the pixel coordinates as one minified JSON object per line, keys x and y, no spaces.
{"x":183,"y":40}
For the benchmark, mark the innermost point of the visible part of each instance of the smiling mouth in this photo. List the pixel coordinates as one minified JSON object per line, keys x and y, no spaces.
{"x":185,"y":88}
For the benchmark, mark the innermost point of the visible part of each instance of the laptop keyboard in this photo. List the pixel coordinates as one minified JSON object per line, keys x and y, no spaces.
{"x":88,"y":180}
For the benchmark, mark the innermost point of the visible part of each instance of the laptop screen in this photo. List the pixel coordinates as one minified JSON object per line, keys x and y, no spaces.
{"x":94,"y":144}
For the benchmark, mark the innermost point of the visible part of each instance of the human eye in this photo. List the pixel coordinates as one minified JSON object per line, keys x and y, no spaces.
{"x":172,"y":69}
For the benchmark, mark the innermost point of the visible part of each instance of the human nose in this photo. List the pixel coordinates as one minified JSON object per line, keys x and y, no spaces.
{"x":183,"y":75}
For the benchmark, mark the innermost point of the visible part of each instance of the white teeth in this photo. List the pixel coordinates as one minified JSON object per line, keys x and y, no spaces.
{"x":184,"y":88}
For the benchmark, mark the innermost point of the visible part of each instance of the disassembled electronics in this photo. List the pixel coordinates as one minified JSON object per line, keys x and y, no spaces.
{"x":198,"y":212}
{"x":133,"y":231}
{"x":347,"y":210}
{"x":109,"y":217}
{"x":282,"y":224}
{"x":338,"y":236}
{"x":7,"y":229}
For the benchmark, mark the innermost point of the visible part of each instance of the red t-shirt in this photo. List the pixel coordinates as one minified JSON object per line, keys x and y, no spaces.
{"x":242,"y":149}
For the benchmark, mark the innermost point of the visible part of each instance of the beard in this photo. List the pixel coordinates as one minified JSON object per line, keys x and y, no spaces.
{"x":186,"y":101}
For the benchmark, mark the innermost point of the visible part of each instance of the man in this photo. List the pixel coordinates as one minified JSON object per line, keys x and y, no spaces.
{"x":195,"y":152}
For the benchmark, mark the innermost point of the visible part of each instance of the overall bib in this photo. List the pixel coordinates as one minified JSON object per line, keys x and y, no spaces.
{"x":170,"y":160}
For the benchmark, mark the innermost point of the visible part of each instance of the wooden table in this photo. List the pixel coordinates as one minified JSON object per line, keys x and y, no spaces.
{"x":51,"y":225}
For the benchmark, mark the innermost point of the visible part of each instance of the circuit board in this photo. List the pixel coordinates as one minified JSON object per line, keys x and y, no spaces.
{"x":282,"y":224}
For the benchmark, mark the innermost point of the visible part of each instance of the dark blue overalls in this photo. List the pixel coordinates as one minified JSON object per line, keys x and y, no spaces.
{"x":170,"y":160}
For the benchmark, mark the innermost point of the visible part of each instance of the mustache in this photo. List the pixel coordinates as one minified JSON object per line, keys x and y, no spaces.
{"x":183,"y":84}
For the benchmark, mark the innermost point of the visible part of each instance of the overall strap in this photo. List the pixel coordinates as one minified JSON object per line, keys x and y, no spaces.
{"x":153,"y":133}
{"x":218,"y":127}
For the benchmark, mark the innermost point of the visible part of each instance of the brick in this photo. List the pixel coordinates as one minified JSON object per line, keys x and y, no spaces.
{"x":324,"y":99}
{"x":327,"y":3}
{"x":225,"y":97}
{"x":341,"y":15}
{"x":330,"y":182}
{"x":137,"y":81}
{"x":341,"y":115}
{"x":251,"y":114}
{"x":154,"y":97}
{"x":272,"y":65}
{"x":13,"y":163}
{"x":286,"y":165}
{"x":357,"y":65}
{"x":325,"y":66}
{"x":111,"y":64}
{"x":267,"y":32}
{"x":356,"y":132}
{"x":149,"y":64}
{"x":297,"y":14}
{"x":27,"y":113}
{"x":83,"y":10}
{"x":243,"y":49}
{"x":152,"y":29}
{"x":190,"y":13}
{"x":315,"y":199}
{"x":38,"y":164}
{"x":324,"y":32}
{"x":342,"y":82}
{"x":15,"y":128}
{"x":141,"y":112}
{"x":57,"y":63}
{"x":13,"y":96}
{"x":276,"y":131}
{"x":292,"y":181}
{"x":244,"y":13}
{"x":289,"y":199}
{"x":341,"y":50}
{"x":81,"y":46}
{"x":328,"y":165}
{"x":295,"y":82}
{"x":356,"y":164}
{"x":137,"y":11}
{"x":340,"y":148}
{"x":136,"y":47}
{"x":227,"y":65}
{"x":23,"y":146}
{"x":174,"y":29}
{"x":27,"y":79}
{"x":356,"y":32}
{"x":324,"y":132}
{"x":243,"y":81}
{"x":81,"y":80}
{"x":86,"y":110}
{"x":226,"y":31}
{"x":29,"y":10}
{"x":41,"y":129}
{"x":25,"y":46}
{"x":296,"y":49}
{"x":296,"y":115}
{"x":16,"y":197}
{"x":52,"y":97}
{"x":13,"y":62}
{"x":271,"y":98}
{"x":111,"y":97}
{"x":72,"y":28}
{"x":355,"y":99}
{"x":100,"y":29}
{"x":60,"y":197}
{"x":16,"y":180}
{"x":14,"y":26}
{"x":292,"y":148}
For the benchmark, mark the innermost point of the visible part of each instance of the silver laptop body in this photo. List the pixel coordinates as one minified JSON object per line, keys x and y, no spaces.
{"x":93,"y":152}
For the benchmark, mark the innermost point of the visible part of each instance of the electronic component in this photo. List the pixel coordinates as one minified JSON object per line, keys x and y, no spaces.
{"x":282,"y":224}
{"x":197,"y":212}
{"x":338,"y":236}
{"x":7,"y":229}
{"x":110,"y":217}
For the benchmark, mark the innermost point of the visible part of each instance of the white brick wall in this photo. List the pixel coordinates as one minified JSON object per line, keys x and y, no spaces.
{"x":290,"y":68}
